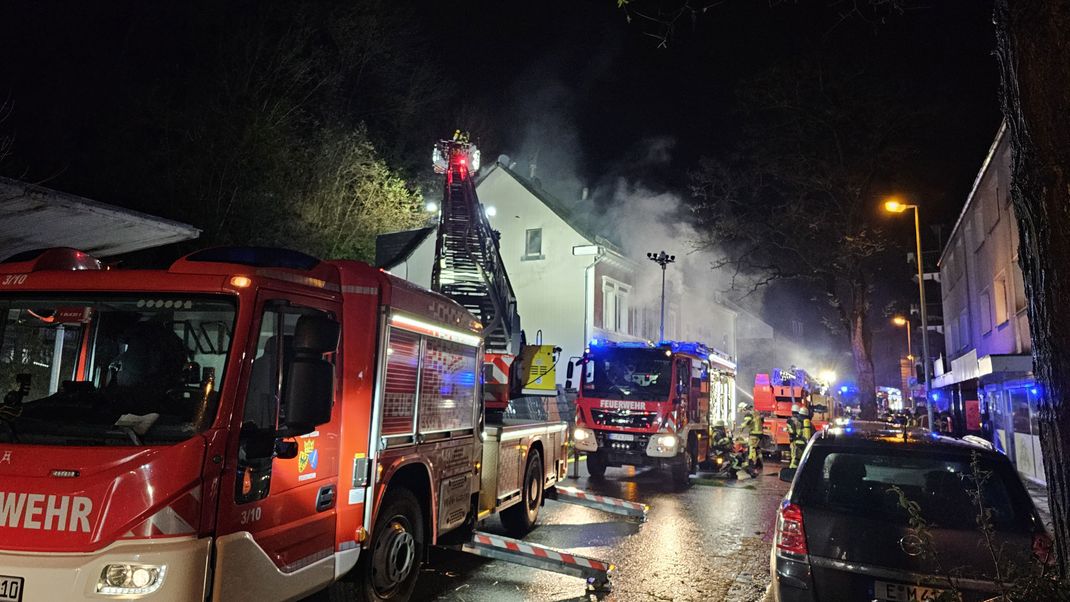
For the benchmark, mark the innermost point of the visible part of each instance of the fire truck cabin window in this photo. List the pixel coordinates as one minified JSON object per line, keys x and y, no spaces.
{"x":111,"y":370}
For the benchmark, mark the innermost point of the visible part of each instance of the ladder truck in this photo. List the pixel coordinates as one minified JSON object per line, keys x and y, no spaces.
{"x":259,"y":424}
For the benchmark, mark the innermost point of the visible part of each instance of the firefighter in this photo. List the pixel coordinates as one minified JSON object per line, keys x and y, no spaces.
{"x":802,"y":434}
{"x":721,"y":441}
{"x":723,"y":445}
{"x":794,"y":428}
{"x":752,"y":425}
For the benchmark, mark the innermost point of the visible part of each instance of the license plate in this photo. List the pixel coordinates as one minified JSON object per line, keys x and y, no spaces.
{"x":10,"y":588}
{"x":620,"y":437}
{"x":901,"y":592}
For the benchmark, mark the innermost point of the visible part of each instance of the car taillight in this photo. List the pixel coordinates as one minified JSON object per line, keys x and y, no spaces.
{"x":1044,"y":548}
{"x":790,"y":536}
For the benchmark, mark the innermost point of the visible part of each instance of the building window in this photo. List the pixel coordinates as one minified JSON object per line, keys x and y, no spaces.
{"x":986,"y":312}
{"x":616,"y":307}
{"x":533,"y":244}
{"x":999,"y":294}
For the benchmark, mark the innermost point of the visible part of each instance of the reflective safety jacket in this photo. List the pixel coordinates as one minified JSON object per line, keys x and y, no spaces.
{"x":752,"y":422}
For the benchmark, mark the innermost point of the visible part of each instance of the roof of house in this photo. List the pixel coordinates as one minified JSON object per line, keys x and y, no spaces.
{"x":393,"y":248}
{"x":35,"y":217}
{"x":582,"y":224}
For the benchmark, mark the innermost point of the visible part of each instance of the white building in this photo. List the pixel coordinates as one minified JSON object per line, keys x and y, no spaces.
{"x":572,"y":282}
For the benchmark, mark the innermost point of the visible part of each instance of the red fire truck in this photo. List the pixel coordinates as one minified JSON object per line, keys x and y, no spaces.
{"x":774,"y":397}
{"x":642,"y":404}
{"x":249,"y":424}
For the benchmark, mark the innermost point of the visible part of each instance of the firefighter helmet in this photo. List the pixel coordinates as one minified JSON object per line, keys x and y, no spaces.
{"x":719,"y":423}
{"x":743,"y":406}
{"x":794,"y":408}
{"x":804,"y":411}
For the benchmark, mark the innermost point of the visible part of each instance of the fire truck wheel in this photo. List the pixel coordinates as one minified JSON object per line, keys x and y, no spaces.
{"x":389,"y":567}
{"x":681,"y":471}
{"x":518,"y":519}
{"x":596,"y":465}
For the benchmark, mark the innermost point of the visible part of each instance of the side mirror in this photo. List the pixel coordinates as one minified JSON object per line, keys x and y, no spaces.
{"x":570,"y":371}
{"x":308,"y":388}
{"x":787,"y":474}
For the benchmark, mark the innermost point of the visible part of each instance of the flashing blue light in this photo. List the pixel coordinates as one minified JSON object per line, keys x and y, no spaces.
{"x":594,"y":343}
{"x":1035,"y":390}
{"x":843,"y":389}
{"x":936,"y":396}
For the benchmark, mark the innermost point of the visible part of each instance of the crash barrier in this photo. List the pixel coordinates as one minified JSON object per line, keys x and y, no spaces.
{"x":571,"y":495}
{"x":595,"y":572}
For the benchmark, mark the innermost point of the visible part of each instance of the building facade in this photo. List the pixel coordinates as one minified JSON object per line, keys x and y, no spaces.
{"x":572,"y":281}
{"x":984,"y":379}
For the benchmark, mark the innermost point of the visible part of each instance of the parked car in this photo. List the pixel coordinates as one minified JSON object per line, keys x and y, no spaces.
{"x":843,"y":530}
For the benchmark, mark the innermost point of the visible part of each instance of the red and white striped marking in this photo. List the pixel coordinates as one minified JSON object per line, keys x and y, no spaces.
{"x":499,"y":367}
{"x":601,"y":499}
{"x":179,"y":518}
{"x":515,"y":545}
{"x":670,"y":421}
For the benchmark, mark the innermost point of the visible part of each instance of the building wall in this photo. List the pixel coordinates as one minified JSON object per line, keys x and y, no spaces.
{"x":417,"y":268}
{"x":549,"y":288}
{"x":985,"y":322}
{"x":983,"y":294}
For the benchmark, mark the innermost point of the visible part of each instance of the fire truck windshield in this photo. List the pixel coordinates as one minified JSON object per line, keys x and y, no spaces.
{"x":615,"y":373}
{"x":109,"y":369}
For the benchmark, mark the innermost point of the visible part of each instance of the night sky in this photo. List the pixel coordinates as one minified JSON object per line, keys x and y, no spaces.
{"x":570,"y":84}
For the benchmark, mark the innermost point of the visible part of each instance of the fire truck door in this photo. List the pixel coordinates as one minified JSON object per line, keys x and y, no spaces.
{"x":282,"y":491}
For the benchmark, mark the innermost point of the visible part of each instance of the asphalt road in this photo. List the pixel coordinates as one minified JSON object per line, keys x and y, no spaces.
{"x":709,"y":543}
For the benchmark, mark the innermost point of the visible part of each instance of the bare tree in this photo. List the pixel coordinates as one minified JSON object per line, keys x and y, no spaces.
{"x":797,"y":201}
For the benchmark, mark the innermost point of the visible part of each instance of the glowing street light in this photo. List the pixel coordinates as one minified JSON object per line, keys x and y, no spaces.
{"x":828,"y":376}
{"x":894,"y":205}
{"x":431,"y":207}
{"x":490,"y":211}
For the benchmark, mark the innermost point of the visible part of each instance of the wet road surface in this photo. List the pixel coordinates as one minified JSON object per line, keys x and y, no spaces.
{"x":709,"y":542}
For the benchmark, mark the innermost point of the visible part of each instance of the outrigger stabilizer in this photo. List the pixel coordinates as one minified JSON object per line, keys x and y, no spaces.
{"x":571,"y":495}
{"x":595,"y":572}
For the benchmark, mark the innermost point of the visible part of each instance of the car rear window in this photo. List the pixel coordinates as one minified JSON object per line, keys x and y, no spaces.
{"x":862,"y":482}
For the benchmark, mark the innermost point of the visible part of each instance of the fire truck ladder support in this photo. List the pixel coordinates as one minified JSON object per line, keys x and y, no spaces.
{"x":595,"y":572}
{"x":571,"y":495}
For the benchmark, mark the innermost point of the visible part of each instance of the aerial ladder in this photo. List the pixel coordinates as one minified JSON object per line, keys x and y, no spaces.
{"x":469,"y":269}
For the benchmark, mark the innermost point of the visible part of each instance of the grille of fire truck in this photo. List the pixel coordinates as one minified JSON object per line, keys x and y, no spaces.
{"x":468,"y":266}
{"x":635,"y":420}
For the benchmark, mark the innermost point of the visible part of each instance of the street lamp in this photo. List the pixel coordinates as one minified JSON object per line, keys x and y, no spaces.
{"x":905,"y":322}
{"x":901,"y":321}
{"x":663,"y":259}
{"x":894,"y":205}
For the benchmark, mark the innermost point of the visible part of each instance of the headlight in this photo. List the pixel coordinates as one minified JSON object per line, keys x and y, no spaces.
{"x":128,"y":579}
{"x":581,"y":434}
{"x":667,"y":440}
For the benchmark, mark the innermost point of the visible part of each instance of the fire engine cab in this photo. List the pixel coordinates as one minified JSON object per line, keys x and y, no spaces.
{"x":249,"y":424}
{"x":641,"y":404}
